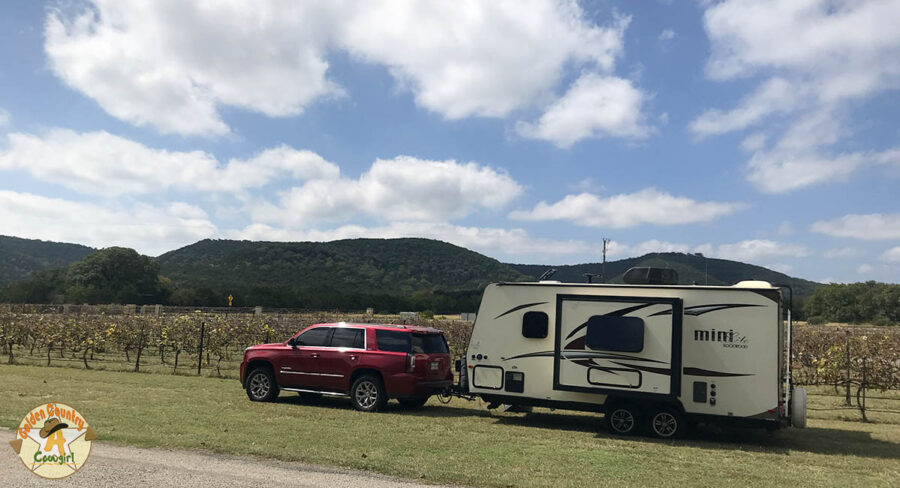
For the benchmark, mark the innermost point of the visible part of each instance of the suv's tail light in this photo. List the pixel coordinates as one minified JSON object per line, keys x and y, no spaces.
{"x":410,"y":362}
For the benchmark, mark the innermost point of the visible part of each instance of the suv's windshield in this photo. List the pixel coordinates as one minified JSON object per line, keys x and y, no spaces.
{"x":429,"y":344}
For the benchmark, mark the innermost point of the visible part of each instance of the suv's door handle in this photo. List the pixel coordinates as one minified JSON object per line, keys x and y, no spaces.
{"x":314,"y":355}
{"x":354,"y":358}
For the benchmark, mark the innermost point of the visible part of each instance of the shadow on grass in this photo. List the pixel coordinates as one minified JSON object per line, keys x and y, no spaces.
{"x":430,"y":410}
{"x":816,"y":440}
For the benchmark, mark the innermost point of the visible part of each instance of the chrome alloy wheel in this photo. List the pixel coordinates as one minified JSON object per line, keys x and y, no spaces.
{"x":622,"y":420}
{"x":664,"y":424}
{"x":366,"y":394}
{"x":260,"y":385}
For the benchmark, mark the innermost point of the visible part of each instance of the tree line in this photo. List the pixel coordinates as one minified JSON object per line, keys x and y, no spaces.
{"x":855,"y":303}
{"x":121,"y":275}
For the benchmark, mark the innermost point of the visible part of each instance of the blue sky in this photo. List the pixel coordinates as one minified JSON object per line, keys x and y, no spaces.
{"x":762,"y":131}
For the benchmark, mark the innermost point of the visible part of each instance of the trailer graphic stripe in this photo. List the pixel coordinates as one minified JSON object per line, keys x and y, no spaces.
{"x":520,"y":307}
{"x":579,"y":354}
{"x":617,"y":313}
{"x":706,"y":372}
{"x":702,"y":309}
{"x":649,"y":369}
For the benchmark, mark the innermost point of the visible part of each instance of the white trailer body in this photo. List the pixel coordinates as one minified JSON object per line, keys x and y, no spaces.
{"x":700,"y":352}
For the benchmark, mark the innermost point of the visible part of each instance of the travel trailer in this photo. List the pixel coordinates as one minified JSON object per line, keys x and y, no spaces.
{"x":652,"y":357}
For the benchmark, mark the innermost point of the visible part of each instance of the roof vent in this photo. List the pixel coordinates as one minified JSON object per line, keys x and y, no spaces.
{"x":651,"y":276}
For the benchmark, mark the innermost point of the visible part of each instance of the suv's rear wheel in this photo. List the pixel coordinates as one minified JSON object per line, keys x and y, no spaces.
{"x":261,"y":386}
{"x":413,"y":402}
{"x":367,"y":394}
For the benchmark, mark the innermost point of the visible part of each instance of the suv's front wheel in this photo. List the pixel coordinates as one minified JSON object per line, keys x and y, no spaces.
{"x":368,"y":394}
{"x":261,"y":386}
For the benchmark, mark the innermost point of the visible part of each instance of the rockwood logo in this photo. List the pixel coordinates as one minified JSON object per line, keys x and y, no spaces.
{"x":53,"y":440}
{"x":728,"y":338}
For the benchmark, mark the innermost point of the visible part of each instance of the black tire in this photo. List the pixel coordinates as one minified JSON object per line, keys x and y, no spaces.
{"x":666,"y":423}
{"x":413,"y":402}
{"x":623,"y":419}
{"x":368,"y":394}
{"x":261,"y":385}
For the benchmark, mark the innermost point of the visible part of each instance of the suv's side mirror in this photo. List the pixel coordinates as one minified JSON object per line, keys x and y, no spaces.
{"x":293,"y":341}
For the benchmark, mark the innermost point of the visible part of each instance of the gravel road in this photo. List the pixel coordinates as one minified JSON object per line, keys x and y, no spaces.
{"x":116,"y":466}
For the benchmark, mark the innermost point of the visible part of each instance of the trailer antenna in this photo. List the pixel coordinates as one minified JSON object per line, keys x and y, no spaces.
{"x":603,"y":264}
{"x":547,"y":274}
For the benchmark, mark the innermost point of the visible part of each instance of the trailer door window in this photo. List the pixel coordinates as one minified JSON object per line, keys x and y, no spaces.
{"x":534,"y":325}
{"x":608,"y":333}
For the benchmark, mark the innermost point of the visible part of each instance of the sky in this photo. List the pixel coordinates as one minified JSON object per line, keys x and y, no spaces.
{"x":528,"y":130}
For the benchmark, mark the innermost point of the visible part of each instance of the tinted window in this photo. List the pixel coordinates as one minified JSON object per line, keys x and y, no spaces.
{"x":625,"y":334}
{"x":346,"y":337}
{"x":389,"y":340}
{"x":534,"y":325}
{"x":314,"y":337}
{"x":429,"y":344}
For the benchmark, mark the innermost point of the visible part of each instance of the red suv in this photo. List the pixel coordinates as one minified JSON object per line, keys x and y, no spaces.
{"x":369,"y":363}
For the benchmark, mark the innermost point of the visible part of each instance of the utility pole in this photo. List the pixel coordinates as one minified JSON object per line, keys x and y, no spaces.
{"x":603,"y":265}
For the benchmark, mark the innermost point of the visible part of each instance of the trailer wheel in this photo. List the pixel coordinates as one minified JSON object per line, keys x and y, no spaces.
{"x":622,"y":419}
{"x":666,"y":423}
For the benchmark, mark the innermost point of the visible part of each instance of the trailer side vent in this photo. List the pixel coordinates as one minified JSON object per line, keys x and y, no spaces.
{"x":534,"y":325}
{"x":515,"y":381}
{"x":700,"y":391}
{"x":611,"y":333}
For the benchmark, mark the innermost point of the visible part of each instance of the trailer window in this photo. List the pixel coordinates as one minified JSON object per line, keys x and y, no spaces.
{"x":388,"y":340}
{"x":624,"y":334}
{"x":534,"y":325}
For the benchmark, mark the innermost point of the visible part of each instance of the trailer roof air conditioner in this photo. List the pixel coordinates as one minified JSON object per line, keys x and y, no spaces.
{"x":651,"y":276}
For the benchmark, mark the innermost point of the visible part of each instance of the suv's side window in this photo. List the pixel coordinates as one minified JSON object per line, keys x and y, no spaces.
{"x":318,"y":337}
{"x":389,"y":340}
{"x":347,"y":337}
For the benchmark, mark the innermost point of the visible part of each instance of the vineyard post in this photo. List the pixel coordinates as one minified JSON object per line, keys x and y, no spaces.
{"x":200,"y":355}
{"x":847,"y":384}
{"x":862,"y":391}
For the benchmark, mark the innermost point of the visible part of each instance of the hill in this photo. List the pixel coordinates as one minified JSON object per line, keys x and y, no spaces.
{"x":691,"y":268}
{"x":382,"y":266}
{"x":20,"y":258}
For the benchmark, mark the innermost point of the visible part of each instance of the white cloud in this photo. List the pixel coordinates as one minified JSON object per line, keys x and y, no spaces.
{"x":776,"y":95}
{"x":595,"y":106}
{"x":403,"y":188}
{"x":864,"y":269}
{"x":869,"y":227}
{"x":817,"y":55}
{"x":105,"y":164}
{"x":785,"y":228}
{"x":172,"y":64}
{"x":842,"y":253}
{"x":667,"y":35}
{"x":649,"y":206}
{"x":150,"y":230}
{"x":5,"y":118}
{"x":892,"y":255}
{"x":753,"y":250}
{"x":851,"y":47}
{"x":797,"y":160}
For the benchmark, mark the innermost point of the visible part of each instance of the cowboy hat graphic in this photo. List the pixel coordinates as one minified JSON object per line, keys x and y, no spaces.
{"x":51,"y":426}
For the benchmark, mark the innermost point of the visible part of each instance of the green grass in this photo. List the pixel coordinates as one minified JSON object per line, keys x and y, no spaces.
{"x":459,"y":443}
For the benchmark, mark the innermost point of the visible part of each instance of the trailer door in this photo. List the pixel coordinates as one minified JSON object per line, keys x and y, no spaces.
{"x":610,"y":344}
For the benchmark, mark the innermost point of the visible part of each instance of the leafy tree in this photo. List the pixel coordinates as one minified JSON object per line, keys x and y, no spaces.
{"x":115,"y":275}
